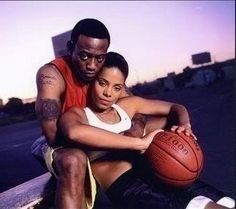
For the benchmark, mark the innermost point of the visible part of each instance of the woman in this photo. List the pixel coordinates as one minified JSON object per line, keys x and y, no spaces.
{"x":96,"y":128}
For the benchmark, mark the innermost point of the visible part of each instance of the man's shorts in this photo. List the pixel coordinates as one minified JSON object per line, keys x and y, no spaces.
{"x":41,"y":149}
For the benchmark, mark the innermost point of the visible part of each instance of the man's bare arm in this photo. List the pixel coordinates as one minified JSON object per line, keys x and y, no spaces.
{"x":50,"y":86}
{"x":48,"y":112}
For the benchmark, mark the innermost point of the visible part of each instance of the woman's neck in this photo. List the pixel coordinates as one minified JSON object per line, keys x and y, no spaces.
{"x":108,"y":115}
{"x":97,"y":110}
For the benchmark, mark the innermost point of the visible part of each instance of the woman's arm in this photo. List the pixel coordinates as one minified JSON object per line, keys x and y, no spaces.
{"x":175,"y":112}
{"x":134,"y":104}
{"x":73,"y":125}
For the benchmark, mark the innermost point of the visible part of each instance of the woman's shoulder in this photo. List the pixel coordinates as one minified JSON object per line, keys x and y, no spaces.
{"x":129,"y":103}
{"x":128,"y":100}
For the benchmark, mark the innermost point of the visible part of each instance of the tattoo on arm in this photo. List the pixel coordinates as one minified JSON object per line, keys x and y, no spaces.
{"x":49,"y":109}
{"x":45,"y":80}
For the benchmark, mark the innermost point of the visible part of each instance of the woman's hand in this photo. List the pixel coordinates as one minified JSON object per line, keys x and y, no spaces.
{"x":148,"y":139}
{"x":185,"y":128}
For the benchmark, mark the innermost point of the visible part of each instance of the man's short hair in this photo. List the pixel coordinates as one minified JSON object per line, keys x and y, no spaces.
{"x":88,"y":27}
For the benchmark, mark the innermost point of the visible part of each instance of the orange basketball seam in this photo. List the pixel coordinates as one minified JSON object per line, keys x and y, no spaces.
{"x":175,"y":178}
{"x":175,"y":159}
{"x":171,"y":155}
{"x":199,"y":166}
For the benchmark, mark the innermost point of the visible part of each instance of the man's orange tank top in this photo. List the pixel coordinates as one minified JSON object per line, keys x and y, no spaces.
{"x":75,"y":92}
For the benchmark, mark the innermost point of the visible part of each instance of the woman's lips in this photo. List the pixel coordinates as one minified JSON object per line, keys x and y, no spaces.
{"x":104,"y":102}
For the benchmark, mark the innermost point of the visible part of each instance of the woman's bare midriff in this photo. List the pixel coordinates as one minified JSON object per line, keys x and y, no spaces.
{"x":106,"y":172}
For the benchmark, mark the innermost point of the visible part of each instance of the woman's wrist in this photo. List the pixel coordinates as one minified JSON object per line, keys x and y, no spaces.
{"x":186,"y":123}
{"x":138,"y":144}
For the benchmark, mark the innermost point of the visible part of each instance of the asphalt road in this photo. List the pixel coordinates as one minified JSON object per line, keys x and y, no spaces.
{"x":212,"y":113}
{"x":16,"y":161}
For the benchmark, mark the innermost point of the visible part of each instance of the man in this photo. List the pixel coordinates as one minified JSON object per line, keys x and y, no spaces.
{"x":61,"y":84}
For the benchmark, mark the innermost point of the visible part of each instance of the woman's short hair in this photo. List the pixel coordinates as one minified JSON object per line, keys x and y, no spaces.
{"x":114,"y":59}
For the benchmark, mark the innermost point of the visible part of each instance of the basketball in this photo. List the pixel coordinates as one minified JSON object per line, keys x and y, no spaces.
{"x":176,"y":159}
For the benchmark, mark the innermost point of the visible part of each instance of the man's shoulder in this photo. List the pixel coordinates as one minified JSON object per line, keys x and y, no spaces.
{"x":49,"y":74}
{"x":63,"y":59}
{"x":54,"y":65}
{"x":47,"y":68}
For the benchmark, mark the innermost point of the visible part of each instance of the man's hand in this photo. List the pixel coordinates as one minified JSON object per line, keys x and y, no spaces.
{"x":136,"y":130}
{"x":138,"y":126}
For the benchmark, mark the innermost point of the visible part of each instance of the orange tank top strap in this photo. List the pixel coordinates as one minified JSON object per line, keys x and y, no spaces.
{"x":76,"y":92}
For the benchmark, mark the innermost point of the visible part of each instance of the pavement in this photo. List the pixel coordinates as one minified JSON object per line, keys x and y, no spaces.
{"x":212,"y":116}
{"x":212,"y":111}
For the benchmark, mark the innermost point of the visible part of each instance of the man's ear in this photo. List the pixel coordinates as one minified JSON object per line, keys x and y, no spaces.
{"x":70,"y":46}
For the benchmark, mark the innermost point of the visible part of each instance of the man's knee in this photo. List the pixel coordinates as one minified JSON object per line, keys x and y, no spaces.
{"x":70,"y":162}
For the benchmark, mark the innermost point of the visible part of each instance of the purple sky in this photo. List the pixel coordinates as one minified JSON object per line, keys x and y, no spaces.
{"x":155,"y":37}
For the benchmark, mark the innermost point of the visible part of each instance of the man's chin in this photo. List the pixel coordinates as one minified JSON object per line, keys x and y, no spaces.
{"x":88,"y":79}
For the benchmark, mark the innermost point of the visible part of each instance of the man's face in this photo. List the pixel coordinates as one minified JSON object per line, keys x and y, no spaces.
{"x":88,"y":57}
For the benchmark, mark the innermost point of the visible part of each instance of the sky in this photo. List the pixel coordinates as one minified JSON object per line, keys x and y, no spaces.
{"x":155,"y":37}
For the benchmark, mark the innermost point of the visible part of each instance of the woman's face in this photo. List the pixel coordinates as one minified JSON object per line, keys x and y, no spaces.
{"x":107,"y":87}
